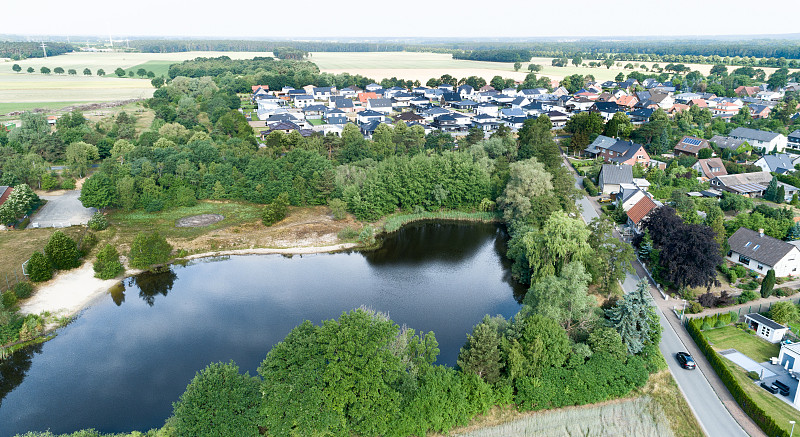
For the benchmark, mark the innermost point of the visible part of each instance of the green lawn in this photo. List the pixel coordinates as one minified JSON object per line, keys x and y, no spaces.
{"x":316,"y":121}
{"x":730,"y":337}
{"x":6,"y":107}
{"x":779,"y":410}
{"x":235,"y":213}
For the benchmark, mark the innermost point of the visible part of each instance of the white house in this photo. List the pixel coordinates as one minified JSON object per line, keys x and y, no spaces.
{"x":766,"y":141}
{"x":761,"y":253}
{"x":789,"y":357}
{"x":766,"y":328}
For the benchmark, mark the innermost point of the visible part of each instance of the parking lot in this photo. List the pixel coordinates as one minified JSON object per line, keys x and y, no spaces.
{"x":62,"y":211}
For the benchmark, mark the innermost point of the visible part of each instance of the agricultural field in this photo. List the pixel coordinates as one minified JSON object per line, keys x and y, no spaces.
{"x":423,"y":66}
{"x":26,"y":91}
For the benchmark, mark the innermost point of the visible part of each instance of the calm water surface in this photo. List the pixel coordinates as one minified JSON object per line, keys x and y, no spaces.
{"x":120,"y":365}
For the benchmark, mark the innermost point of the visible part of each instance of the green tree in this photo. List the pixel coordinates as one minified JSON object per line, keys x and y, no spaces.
{"x":611,"y":259}
{"x":635,"y":319}
{"x":584,"y":127}
{"x":619,"y":126}
{"x":38,"y":268}
{"x":605,"y":339}
{"x":30,"y":70}
{"x":784,"y":313}
{"x":87,"y":72}
{"x":704,"y":153}
{"x":771,"y":193}
{"x":62,"y":251}
{"x":16,"y":68}
{"x":157,"y":82}
{"x":620,"y":77}
{"x":149,"y":249}
{"x":72,"y":72}
{"x":101,"y":72}
{"x":561,"y":240}
{"x":564,"y":298}
{"x":219,"y":401}
{"x":576,"y":61}
{"x":517,"y":66}
{"x":141,"y":72}
{"x":107,"y":264}
{"x":58,"y":70}
{"x":528,"y":180}
{"x":534,"y":344}
{"x":768,"y":284}
{"x":98,"y":192}
{"x":44,"y":70}
{"x":130,"y":73}
{"x":119,"y":72}
{"x":719,"y":70}
{"x":481,"y":354}
{"x":79,"y":155}
{"x":276,"y":210}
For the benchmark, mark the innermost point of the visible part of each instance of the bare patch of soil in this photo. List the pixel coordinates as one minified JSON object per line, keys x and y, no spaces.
{"x":197,"y":221}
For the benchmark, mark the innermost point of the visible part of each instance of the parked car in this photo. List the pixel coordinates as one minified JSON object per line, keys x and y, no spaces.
{"x":685,"y":360}
{"x":604,"y":200}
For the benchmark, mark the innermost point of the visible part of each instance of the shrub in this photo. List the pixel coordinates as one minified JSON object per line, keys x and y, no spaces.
{"x":338,"y":208}
{"x":9,"y":299}
{"x":219,"y":401}
{"x":62,"y":251}
{"x":275,"y":211}
{"x":347,"y":233}
{"x":591,"y":188}
{"x":705,"y":326}
{"x":753,"y":375}
{"x":784,"y":313}
{"x":39,"y":268}
{"x":740,"y":270}
{"x":747,"y":296}
{"x":107,"y":265}
{"x":68,"y":184}
{"x":87,"y":243}
{"x":23,"y":290}
{"x":148,"y":250}
{"x":98,"y":222}
{"x":694,"y":308}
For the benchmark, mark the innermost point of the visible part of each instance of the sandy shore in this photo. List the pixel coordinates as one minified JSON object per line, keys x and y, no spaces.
{"x":70,"y":292}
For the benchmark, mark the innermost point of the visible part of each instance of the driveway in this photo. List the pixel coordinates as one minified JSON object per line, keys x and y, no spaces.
{"x":62,"y":211}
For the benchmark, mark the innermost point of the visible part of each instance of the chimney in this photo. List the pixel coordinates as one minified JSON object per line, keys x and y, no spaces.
{"x":761,"y":232}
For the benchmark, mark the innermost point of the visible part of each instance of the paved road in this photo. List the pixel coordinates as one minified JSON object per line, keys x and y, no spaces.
{"x":711,"y":412}
{"x":63,"y":210}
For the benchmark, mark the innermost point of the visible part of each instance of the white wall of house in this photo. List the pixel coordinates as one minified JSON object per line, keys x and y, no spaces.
{"x":789,"y":265}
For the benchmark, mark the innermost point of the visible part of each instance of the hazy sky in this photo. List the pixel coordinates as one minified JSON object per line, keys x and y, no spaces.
{"x":409,"y":18}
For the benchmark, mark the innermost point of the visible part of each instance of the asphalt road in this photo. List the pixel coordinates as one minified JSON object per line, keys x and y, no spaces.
{"x":714,"y":418}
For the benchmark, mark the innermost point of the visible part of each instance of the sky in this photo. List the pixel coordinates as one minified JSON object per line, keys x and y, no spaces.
{"x":409,"y":18}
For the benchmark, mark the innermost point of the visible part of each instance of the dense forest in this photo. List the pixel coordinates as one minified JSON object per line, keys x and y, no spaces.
{"x":17,"y":50}
{"x":495,"y":55}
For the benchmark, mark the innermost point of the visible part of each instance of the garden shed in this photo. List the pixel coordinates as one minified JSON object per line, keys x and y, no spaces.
{"x":766,"y":328}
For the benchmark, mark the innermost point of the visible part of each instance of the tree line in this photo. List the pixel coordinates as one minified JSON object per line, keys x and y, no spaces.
{"x":18,"y":50}
{"x":173,"y":46}
{"x":495,"y":55}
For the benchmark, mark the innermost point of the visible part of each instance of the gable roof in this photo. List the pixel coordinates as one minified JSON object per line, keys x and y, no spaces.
{"x":627,"y":149}
{"x":641,"y":209}
{"x":779,"y":161}
{"x":727,"y":142}
{"x":616,"y":174}
{"x":370,"y":113}
{"x":379,"y":103}
{"x":753,"y":134}
{"x":707,"y":164}
{"x":409,"y":116}
{"x":5,"y":191}
{"x":764,"y":249}
{"x":602,"y":142}
{"x":690,"y":144}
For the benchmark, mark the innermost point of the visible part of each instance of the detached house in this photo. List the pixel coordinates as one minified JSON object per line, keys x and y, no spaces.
{"x":750,"y":184}
{"x":639,"y":212}
{"x":613,"y":176}
{"x":766,"y":141}
{"x":710,"y":168}
{"x":793,"y":140}
{"x":778,"y":163}
{"x":691,"y":146}
{"x":761,"y":253}
{"x":380,"y":105}
{"x":626,"y":152}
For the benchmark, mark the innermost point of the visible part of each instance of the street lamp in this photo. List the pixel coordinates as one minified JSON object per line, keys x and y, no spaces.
{"x":792,"y":422}
{"x":684,"y":309}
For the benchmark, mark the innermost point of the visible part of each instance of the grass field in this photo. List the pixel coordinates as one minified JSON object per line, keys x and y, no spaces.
{"x":5,"y":108}
{"x":160,"y":68}
{"x":730,"y":337}
{"x":16,"y":247}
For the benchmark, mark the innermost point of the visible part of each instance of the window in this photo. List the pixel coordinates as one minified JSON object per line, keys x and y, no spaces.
{"x":747,"y":244}
{"x":744,"y":260}
{"x":760,"y":267}
{"x":755,"y":248}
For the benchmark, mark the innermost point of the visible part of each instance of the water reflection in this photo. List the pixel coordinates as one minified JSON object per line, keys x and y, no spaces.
{"x":14,"y":368}
{"x":151,"y":284}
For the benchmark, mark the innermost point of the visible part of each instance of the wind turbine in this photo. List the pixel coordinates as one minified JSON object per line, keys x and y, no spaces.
{"x":126,"y":43}
{"x":111,"y":41}
{"x":44,"y":49}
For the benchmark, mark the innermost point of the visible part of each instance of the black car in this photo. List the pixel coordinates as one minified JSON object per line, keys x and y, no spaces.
{"x":685,"y":360}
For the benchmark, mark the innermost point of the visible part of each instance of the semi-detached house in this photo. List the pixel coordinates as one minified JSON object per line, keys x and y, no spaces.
{"x":761,"y":253}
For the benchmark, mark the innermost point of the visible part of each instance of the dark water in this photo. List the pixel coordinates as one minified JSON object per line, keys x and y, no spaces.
{"x":122,"y":363}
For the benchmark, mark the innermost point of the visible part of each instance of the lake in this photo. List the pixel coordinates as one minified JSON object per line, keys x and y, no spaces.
{"x":121,"y":364}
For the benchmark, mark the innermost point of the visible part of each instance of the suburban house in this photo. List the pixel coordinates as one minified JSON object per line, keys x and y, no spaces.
{"x":710,"y":168}
{"x":766,"y":141}
{"x":778,"y":163}
{"x":748,"y":91}
{"x":599,"y":144}
{"x":302,"y":100}
{"x":380,"y":105}
{"x":761,"y":253}
{"x":789,"y":358}
{"x":626,"y":152}
{"x":749,"y":184}
{"x":766,"y":328}
{"x":691,"y":146}
{"x":793,"y":140}
{"x":612,"y":176}
{"x":4,"y":193}
{"x":638,"y":212}
{"x":735,"y":145}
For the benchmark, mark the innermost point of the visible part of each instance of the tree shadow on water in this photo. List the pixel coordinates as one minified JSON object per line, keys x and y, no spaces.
{"x":151,"y":284}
